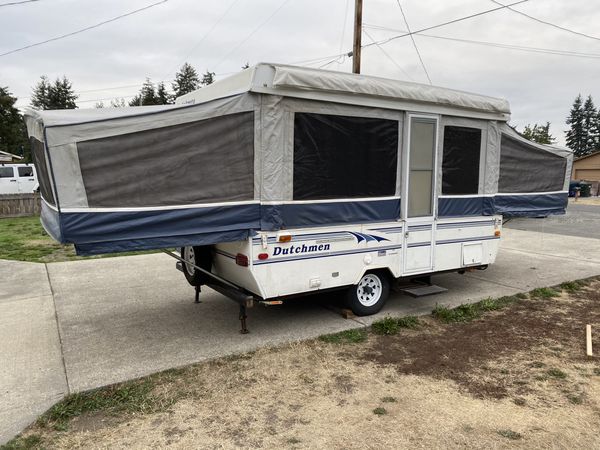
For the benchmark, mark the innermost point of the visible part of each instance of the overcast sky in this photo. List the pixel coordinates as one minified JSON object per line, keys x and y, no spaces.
{"x":114,"y":59}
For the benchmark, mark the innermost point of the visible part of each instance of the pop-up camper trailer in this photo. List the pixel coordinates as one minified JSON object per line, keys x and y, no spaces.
{"x":283,"y":180}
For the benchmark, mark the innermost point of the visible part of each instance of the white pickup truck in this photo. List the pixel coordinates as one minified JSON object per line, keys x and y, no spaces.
{"x":18,"y":179}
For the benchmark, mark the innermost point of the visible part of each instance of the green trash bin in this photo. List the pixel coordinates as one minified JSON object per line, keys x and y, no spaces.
{"x":586,"y":190}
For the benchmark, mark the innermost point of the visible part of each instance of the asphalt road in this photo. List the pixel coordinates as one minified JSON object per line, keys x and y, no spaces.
{"x":580,"y":220}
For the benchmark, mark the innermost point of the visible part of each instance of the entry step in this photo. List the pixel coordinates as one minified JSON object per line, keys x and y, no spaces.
{"x":422,"y":291}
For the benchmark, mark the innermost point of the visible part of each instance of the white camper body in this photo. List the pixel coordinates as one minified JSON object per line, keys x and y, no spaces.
{"x":332,"y":257}
{"x":284,"y":180}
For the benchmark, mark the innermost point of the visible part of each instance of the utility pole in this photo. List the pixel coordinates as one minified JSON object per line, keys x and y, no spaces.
{"x":357,"y":36}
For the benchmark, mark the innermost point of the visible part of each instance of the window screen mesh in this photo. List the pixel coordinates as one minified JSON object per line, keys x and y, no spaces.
{"x":460,"y":165}
{"x":344,"y":157}
{"x":206,"y":161}
{"x":39,"y":160}
{"x":525,"y":168}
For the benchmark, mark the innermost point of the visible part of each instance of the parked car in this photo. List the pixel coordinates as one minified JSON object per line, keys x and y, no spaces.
{"x":18,"y":179}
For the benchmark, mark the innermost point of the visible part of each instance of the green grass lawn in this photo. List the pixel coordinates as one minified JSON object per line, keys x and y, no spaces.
{"x":24,"y":239}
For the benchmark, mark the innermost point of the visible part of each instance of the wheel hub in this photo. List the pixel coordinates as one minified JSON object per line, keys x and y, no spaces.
{"x":369,"y":289}
{"x":189,"y":256}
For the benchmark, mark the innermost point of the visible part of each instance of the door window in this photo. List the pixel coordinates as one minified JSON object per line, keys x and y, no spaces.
{"x":421,"y":166}
{"x":6,"y":172}
{"x":26,"y":172}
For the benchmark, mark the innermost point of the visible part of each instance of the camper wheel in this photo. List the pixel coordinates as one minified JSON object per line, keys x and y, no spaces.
{"x":201,"y":257}
{"x":370,"y":294}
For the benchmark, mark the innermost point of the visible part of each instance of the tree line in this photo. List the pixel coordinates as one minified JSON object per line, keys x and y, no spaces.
{"x":186,"y":80}
{"x":60,"y":94}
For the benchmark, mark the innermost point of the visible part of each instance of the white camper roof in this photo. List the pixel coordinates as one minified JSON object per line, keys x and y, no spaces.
{"x":342,"y":87}
{"x":305,"y":83}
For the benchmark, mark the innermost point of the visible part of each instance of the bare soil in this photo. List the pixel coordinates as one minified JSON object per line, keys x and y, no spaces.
{"x":516,"y":378}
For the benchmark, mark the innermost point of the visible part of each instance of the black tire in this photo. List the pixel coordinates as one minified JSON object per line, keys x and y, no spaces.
{"x":200,"y":256}
{"x":369,"y":295}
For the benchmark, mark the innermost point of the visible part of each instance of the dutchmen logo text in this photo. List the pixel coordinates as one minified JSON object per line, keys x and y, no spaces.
{"x":295,"y":249}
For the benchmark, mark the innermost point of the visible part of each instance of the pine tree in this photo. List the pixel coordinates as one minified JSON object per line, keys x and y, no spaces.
{"x":207,"y":78}
{"x":57,"y":95}
{"x":99,"y":105}
{"x":590,"y":125}
{"x":39,"y":95}
{"x":61,"y":94}
{"x":576,"y":135}
{"x":146,"y":96}
{"x":539,"y":133}
{"x":186,"y":80}
{"x":13,"y":135}
{"x":596,"y":130}
{"x":162,"y":96}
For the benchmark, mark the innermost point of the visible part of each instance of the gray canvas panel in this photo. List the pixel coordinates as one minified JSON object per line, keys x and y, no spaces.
{"x":272,"y":146}
{"x":205,"y":161}
{"x":35,"y":126}
{"x":492,"y":159}
{"x":67,"y":174}
{"x":527,"y":168}
{"x":43,"y":170}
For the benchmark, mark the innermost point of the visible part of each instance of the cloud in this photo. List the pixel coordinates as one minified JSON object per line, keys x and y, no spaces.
{"x":154,"y":43}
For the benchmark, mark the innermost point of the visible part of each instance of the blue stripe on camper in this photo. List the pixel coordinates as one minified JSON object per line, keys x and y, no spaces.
{"x":109,"y":232}
{"x":97,"y":248}
{"x":460,"y":206}
{"x":289,"y":215}
{"x":508,"y":205}
{"x":51,"y":222}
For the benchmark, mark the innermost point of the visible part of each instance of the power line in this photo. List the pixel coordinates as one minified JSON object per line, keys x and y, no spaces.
{"x":197,"y":44}
{"x":412,"y":38}
{"x":548,"y":23}
{"x":547,"y":51}
{"x":239,"y":44}
{"x":84,"y":29}
{"x":460,"y":19}
{"x":498,"y":45}
{"x":340,"y":60}
{"x":385,"y":41}
{"x":388,"y":56}
{"x":17,"y":3}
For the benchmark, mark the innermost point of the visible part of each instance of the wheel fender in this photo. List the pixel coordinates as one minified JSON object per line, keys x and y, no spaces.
{"x":382,"y":269}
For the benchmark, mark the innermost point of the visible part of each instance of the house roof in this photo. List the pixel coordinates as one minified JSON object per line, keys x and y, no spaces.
{"x":587,"y":156}
{"x":10,"y":155}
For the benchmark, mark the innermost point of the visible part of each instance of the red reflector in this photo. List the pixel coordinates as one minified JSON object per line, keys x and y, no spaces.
{"x":262,"y":256}
{"x":241,"y":260}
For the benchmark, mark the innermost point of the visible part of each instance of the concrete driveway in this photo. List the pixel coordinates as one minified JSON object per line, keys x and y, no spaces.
{"x":582,"y":219}
{"x":79,"y":325}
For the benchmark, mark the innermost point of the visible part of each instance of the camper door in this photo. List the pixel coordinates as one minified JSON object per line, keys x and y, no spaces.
{"x":419,"y":189}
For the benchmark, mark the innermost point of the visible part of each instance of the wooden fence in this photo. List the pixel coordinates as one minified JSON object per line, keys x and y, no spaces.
{"x":19,"y":205}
